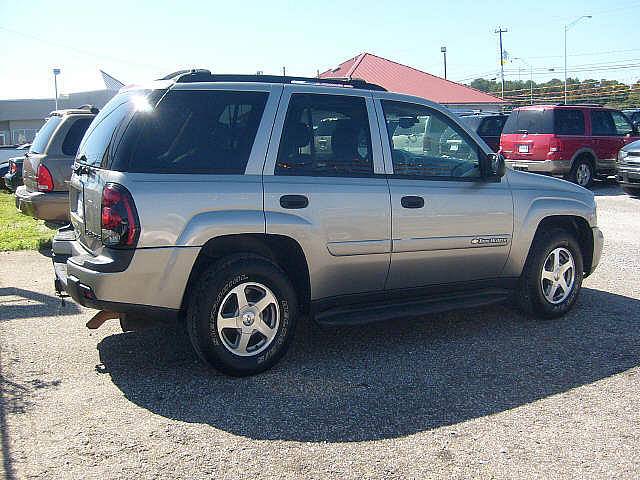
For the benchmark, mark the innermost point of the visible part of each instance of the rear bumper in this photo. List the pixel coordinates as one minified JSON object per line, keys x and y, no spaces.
{"x":151,"y":280}
{"x":12,"y":181}
{"x":553,"y":167}
{"x":52,"y":206}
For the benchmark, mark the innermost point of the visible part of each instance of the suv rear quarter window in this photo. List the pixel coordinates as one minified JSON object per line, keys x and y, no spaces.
{"x":74,"y":135}
{"x":201,"y":131}
{"x":569,"y":121}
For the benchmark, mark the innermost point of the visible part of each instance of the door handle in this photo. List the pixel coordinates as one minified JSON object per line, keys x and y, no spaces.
{"x":412,"y":201}
{"x":294,"y":201}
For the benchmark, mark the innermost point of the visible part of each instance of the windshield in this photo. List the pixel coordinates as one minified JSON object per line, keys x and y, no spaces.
{"x":44,"y":135}
{"x":529,"y":121}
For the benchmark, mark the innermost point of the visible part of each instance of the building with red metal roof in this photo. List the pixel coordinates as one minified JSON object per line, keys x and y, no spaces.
{"x":399,"y":78}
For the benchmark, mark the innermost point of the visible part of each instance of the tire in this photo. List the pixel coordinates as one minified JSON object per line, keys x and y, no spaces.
{"x":582,"y":172}
{"x":242,"y":336}
{"x":535,"y":294}
{"x":634,"y":192}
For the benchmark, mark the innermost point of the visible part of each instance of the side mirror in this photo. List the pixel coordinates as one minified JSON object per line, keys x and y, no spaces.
{"x":497,"y":167}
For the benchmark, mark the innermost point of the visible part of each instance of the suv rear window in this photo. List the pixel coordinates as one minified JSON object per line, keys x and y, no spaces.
{"x":569,"y":122}
{"x":529,"y":121}
{"x":93,"y":149}
{"x":207,"y":132}
{"x":44,"y":134}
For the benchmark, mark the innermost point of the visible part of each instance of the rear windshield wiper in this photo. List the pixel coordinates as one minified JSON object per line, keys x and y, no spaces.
{"x":82,"y":168}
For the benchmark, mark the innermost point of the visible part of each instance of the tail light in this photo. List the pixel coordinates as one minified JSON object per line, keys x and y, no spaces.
{"x":120,"y":224}
{"x":13,"y":167}
{"x":45,"y":183}
{"x":555,"y":145}
{"x":426,"y":143}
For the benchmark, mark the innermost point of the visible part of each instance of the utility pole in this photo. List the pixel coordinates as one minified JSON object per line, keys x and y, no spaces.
{"x":444,"y":53}
{"x":284,"y":72}
{"x":500,"y":31}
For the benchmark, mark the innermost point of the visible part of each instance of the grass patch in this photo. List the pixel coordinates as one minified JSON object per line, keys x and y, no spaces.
{"x":21,"y":232}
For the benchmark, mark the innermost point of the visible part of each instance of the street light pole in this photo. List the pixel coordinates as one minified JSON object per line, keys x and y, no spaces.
{"x":566,"y":28}
{"x":444,"y":53}
{"x":56,"y":72}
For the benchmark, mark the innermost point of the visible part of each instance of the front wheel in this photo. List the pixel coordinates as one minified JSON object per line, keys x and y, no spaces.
{"x":552,"y":275}
{"x":242,"y":315}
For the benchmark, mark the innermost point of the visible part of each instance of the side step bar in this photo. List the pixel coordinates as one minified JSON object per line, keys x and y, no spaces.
{"x":369,"y":313}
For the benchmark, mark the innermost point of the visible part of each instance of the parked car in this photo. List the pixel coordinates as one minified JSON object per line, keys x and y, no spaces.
{"x":489,"y":126}
{"x":47,"y":166}
{"x":628,"y":168}
{"x":13,"y":178}
{"x":254,"y":231}
{"x":634,"y":116}
{"x":4,"y":163}
{"x":577,"y":142}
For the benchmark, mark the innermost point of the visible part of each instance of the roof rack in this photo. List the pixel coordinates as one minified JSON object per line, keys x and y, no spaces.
{"x":88,"y":106}
{"x":579,"y":105}
{"x":201,"y":75}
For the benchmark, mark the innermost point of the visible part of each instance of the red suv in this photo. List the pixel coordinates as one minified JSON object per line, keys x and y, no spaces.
{"x":574,"y":141}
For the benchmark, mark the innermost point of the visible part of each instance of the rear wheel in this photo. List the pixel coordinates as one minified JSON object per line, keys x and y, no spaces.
{"x":552,"y":275}
{"x":582,"y":172}
{"x":242,"y":315}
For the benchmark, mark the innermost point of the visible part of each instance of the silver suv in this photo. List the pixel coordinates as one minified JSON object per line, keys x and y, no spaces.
{"x":203,"y":197}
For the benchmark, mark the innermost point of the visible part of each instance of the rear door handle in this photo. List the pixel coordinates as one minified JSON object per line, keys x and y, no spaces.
{"x":411,"y":201}
{"x":294,"y":201}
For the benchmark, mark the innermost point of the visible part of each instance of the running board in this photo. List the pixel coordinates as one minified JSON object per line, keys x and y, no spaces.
{"x":378,"y":312}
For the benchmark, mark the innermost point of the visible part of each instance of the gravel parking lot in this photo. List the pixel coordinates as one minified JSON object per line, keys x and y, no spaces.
{"x":482,"y":393}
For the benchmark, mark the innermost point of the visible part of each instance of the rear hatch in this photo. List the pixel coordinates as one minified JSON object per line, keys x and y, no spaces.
{"x":37,"y":152}
{"x":91,"y":170}
{"x":527,"y":134}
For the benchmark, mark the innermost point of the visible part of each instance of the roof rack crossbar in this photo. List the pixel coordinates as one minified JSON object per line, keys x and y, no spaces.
{"x":201,"y":75}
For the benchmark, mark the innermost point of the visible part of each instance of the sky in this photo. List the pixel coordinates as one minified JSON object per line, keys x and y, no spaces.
{"x":139,"y":40}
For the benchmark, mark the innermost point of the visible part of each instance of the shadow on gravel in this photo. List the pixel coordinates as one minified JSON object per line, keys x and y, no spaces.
{"x":383,"y":380}
{"x":606,"y":188}
{"x":19,"y":303}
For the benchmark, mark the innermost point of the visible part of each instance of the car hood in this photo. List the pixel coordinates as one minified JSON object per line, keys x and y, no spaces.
{"x":549,"y":186}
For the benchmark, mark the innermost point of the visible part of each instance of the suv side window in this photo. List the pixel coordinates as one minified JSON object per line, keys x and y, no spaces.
{"x":569,"y":122}
{"x":623,"y":126}
{"x":446,"y":150}
{"x":206,"y":132}
{"x":602,"y":123}
{"x":74,"y":136}
{"x":325,"y":136}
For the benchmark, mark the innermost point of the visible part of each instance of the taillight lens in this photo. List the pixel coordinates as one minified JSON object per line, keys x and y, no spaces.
{"x":45,"y":183}
{"x":555,"y":145}
{"x":120,"y":224}
{"x":13,"y":167}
